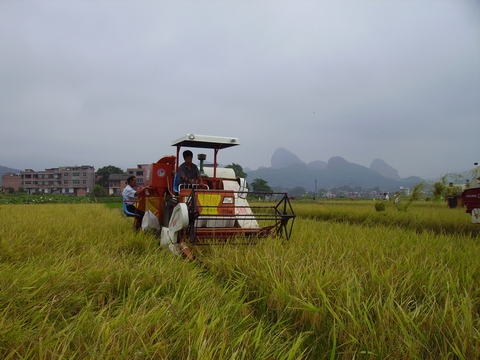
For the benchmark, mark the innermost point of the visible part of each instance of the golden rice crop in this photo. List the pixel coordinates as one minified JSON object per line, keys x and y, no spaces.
{"x":77,"y":282}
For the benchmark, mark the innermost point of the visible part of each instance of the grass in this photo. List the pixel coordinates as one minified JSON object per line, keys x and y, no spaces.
{"x":422,"y":216}
{"x":77,"y":282}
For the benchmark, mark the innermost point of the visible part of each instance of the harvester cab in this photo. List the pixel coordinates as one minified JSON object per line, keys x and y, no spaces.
{"x":471,"y":195}
{"x":222,"y":211}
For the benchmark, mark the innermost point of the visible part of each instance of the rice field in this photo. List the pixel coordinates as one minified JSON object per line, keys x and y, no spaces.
{"x":77,"y":283}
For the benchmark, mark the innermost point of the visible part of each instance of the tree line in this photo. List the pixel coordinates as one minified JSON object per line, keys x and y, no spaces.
{"x":104,"y":173}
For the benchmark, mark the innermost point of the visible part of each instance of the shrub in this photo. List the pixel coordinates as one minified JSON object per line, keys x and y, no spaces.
{"x":380,"y":206}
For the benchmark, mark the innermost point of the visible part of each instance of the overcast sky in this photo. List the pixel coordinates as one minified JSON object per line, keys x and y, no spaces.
{"x":115,"y":82}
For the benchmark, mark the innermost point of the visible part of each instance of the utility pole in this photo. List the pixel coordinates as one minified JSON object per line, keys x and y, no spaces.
{"x":314,"y":196}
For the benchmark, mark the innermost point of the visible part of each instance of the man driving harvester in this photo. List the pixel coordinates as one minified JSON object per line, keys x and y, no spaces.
{"x":188,"y":172}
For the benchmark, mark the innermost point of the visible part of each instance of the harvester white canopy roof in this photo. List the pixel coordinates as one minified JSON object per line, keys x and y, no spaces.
{"x":206,"y":141}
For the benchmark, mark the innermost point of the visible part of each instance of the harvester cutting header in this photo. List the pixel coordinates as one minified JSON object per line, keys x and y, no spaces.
{"x":215,"y":207}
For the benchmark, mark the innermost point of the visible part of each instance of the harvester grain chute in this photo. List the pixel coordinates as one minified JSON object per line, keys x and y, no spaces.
{"x":471,"y":196}
{"x":222,"y":212}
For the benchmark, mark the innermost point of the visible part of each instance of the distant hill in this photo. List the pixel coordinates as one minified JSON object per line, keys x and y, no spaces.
{"x":4,"y":170}
{"x":317,"y":164}
{"x":456,"y":177}
{"x":288,"y":171}
{"x":282,"y":158}
{"x":384,"y":169}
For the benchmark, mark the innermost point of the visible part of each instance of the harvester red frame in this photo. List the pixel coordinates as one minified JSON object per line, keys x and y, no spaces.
{"x":471,"y":196}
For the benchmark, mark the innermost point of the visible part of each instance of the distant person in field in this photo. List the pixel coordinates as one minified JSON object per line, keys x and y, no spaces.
{"x":188,"y":171}
{"x":129,"y":194}
{"x":451,"y":196}
{"x":386,"y":197}
{"x":397,"y":198}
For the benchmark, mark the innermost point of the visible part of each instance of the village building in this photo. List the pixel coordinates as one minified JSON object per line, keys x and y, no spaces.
{"x":65,"y":180}
{"x":116,"y":183}
{"x":139,"y":172}
{"x":10,"y":181}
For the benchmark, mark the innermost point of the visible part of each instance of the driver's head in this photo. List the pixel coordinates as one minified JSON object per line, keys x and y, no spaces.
{"x":187,"y":153}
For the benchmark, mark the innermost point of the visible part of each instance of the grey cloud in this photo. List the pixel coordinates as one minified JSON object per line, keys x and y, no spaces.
{"x":393,"y":80}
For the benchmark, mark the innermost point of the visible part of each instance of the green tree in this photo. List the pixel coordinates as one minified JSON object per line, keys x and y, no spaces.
{"x":261,"y":186}
{"x":105,"y":173}
{"x":238,"y":170}
{"x":98,"y":191}
{"x":438,"y":190}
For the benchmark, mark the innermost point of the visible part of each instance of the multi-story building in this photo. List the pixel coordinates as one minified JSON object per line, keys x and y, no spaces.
{"x":116,"y":183}
{"x":67,"y":180}
{"x":139,"y":173}
{"x":10,"y":180}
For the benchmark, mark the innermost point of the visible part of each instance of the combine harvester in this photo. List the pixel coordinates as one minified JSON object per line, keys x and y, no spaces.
{"x":221,"y":212}
{"x":471,"y":196}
